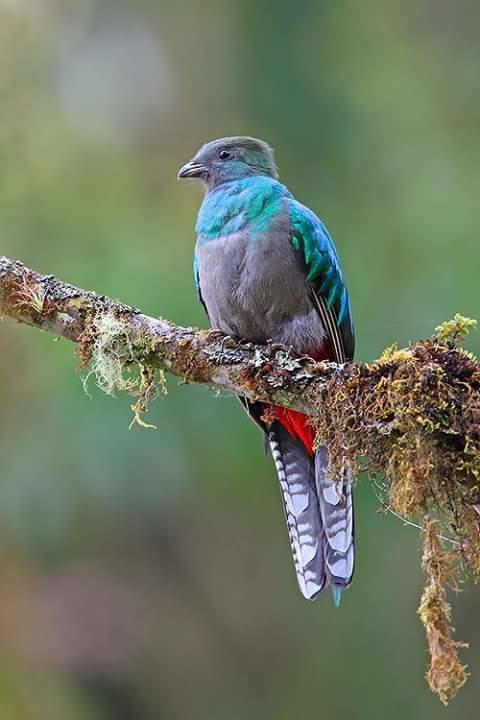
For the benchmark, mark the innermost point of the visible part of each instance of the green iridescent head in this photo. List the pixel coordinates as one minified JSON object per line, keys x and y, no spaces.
{"x":230,"y":158}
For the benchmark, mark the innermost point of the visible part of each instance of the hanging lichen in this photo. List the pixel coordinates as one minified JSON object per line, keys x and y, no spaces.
{"x":115,"y":361}
{"x":446,"y":674}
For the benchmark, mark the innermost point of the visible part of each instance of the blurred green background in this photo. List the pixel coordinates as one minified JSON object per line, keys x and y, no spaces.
{"x":146,"y":574}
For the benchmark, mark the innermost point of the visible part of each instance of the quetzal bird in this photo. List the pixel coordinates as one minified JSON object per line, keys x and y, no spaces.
{"x":266,"y":269}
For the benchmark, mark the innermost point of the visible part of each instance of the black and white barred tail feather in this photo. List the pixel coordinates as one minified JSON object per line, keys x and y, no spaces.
{"x":335,"y":500}
{"x":319,"y":515}
{"x":297,"y":485}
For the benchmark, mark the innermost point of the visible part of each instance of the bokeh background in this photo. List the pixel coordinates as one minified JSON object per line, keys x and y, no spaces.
{"x":146,"y":574}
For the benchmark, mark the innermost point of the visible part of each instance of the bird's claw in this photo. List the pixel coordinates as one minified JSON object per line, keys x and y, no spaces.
{"x":228,"y":342}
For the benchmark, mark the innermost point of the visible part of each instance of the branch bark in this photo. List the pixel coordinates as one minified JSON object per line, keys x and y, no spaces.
{"x":413,"y":415}
{"x":268,"y":373}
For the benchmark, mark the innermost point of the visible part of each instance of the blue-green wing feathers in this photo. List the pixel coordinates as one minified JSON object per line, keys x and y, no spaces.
{"x":324,"y":277}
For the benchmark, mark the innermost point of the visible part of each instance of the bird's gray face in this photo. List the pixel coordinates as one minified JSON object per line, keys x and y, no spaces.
{"x":229,"y":159}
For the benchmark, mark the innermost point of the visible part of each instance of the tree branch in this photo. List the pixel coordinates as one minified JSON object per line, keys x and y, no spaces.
{"x":268,"y":373}
{"x":412,"y":418}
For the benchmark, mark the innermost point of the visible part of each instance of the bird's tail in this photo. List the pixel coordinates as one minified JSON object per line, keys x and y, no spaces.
{"x":335,"y":500}
{"x":319,"y":513}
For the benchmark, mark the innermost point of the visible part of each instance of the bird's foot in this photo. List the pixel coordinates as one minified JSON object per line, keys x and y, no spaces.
{"x":228,"y":342}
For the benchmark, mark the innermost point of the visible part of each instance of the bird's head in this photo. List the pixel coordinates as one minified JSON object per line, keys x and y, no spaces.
{"x":230,"y":158}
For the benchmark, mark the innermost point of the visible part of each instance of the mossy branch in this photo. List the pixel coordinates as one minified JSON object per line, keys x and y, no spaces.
{"x":411,"y":418}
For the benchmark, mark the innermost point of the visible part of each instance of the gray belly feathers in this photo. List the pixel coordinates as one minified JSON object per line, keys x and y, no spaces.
{"x":255,"y":289}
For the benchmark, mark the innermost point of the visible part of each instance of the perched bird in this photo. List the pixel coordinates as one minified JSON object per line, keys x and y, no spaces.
{"x":266,"y":269}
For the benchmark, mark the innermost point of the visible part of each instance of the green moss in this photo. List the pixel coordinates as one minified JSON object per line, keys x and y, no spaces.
{"x":394,"y":354}
{"x":143,"y":345}
{"x":456,"y":330}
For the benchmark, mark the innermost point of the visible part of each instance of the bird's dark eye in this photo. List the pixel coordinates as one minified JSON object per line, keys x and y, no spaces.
{"x":224,"y":154}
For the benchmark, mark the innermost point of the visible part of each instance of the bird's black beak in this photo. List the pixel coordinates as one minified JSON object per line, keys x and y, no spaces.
{"x":192,"y":169}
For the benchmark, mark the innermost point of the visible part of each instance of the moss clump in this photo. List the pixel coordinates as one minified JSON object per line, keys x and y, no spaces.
{"x":413,"y":417}
{"x":394,"y":354}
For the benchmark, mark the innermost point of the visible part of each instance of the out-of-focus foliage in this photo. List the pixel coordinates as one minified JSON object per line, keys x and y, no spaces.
{"x":146,"y":574}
